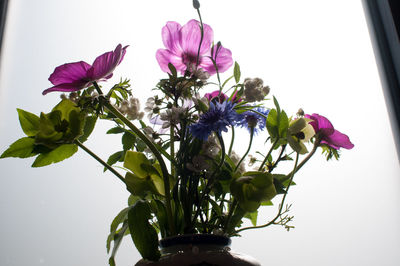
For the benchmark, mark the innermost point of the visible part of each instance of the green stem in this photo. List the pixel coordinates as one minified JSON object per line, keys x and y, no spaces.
{"x":172,"y":149}
{"x":97,"y":158}
{"x":316,"y":145}
{"x":154,"y":150}
{"x":231,"y":210}
{"x":268,"y":154}
{"x":232,"y":140}
{"x":248,"y":149}
{"x":280,"y":205}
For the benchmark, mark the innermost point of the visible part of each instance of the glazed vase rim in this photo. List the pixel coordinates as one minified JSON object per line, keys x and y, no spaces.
{"x":197,"y":239}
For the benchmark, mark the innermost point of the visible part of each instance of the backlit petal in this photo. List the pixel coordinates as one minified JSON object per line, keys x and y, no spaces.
{"x":69,"y":73}
{"x":171,"y":37}
{"x":105,"y":64}
{"x":223,"y":60}
{"x":191,"y":36}
{"x":339,"y":139}
{"x":164,"y":57}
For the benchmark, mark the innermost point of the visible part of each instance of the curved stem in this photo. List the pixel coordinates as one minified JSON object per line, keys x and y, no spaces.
{"x":152,"y":147}
{"x":248,"y":150}
{"x":280,"y":205}
{"x":232,"y":140}
{"x":97,"y":158}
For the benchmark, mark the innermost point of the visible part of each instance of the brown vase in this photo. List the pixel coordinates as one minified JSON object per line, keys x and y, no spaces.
{"x":199,"y":250}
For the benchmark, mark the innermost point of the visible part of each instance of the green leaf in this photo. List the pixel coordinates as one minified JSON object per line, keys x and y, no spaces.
{"x":252,"y":216}
{"x":90,"y":122}
{"x":115,"y":157}
{"x":134,"y":161}
{"x":57,"y":155}
{"x":22,"y":148}
{"x":128,"y":141}
{"x":283,"y":124}
{"x":273,"y":124}
{"x":143,"y":234}
{"x":29,"y":122}
{"x":65,"y":107}
{"x":119,"y":219}
{"x":117,"y":238}
{"x":116,"y":130}
{"x":236,"y":72}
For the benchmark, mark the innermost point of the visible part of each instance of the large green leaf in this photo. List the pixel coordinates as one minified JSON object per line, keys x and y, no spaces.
{"x":65,"y":107}
{"x":22,"y":148}
{"x":134,"y":160}
{"x":117,"y":238}
{"x":143,"y":233}
{"x":29,"y":122}
{"x":59,"y":154}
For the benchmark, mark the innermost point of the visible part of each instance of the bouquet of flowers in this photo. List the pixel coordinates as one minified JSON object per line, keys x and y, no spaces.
{"x":179,"y":164}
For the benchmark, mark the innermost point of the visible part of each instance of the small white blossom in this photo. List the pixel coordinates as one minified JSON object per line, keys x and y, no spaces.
{"x":172,"y":116}
{"x":235,"y":159}
{"x":198,"y":164}
{"x":131,"y":109}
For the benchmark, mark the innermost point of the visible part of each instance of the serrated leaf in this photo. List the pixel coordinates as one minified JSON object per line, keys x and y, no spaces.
{"x":57,"y":155}
{"x":144,"y":235}
{"x":22,"y":148}
{"x":29,"y":122}
{"x":236,"y":72}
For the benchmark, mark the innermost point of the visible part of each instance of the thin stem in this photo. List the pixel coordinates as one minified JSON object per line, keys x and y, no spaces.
{"x":172,"y":149}
{"x":316,"y":145}
{"x":154,"y":150}
{"x":280,"y":205}
{"x":201,"y":38}
{"x":97,"y":158}
{"x":248,"y":149}
{"x":231,"y":210}
{"x":268,"y":154}
{"x":232,"y":140}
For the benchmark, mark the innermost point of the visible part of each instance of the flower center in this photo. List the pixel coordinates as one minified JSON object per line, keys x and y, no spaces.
{"x":190,"y":61}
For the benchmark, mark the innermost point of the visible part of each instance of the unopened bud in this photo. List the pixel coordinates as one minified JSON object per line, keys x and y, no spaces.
{"x":196,"y":4}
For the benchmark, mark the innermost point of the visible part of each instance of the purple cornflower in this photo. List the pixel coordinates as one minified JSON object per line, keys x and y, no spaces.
{"x":329,"y":135}
{"x":182,"y":43}
{"x":79,"y":75}
{"x":218,"y":117}
{"x":252,"y":120}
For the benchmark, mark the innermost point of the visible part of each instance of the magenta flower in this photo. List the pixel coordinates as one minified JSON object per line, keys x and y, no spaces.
{"x":220,"y":96}
{"x":79,"y":75}
{"x":182,"y":45}
{"x":329,"y":135}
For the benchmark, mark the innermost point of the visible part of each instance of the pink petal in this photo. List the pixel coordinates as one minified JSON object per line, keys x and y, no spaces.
{"x":171,"y":37}
{"x":105,"y":64}
{"x":223,"y":60}
{"x":68,"y":87}
{"x":191,"y":36}
{"x":164,"y":57}
{"x":339,"y":139}
{"x":69,"y":73}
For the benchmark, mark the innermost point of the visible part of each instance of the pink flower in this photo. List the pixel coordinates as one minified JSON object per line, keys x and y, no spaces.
{"x":329,"y":135}
{"x":79,"y":75}
{"x":221,"y":96}
{"x":182,"y":45}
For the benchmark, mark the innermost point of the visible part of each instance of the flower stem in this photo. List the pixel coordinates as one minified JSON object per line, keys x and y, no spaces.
{"x":248,"y":150}
{"x":154,"y":150}
{"x":269,"y":153}
{"x":97,"y":158}
{"x":232,"y":140}
{"x":280,"y":205}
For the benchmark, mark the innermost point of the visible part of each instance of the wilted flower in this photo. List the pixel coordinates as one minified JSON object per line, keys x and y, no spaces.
{"x":198,"y":164}
{"x":328,"y":134}
{"x":211,"y":146}
{"x":182,"y":43}
{"x":202,"y":75}
{"x":216,"y":119}
{"x":235,"y":159}
{"x":254,"y":89}
{"x":79,"y":75}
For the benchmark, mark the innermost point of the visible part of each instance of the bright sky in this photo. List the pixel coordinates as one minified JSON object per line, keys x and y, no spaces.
{"x":313,"y":54}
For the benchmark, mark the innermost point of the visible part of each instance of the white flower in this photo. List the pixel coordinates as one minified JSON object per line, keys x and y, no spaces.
{"x":235,"y":159}
{"x":131,"y":109}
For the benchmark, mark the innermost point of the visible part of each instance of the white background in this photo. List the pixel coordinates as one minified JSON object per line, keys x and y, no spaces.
{"x":313,"y":54}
